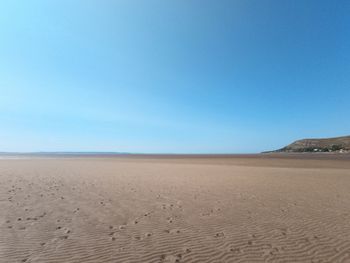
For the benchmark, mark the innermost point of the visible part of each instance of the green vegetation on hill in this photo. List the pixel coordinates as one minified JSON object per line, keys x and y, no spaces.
{"x":338,"y":144}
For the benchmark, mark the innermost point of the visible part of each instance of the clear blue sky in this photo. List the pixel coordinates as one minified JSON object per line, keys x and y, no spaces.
{"x":172,"y":76}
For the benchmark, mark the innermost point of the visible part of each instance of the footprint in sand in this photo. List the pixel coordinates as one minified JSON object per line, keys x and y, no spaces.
{"x":220,"y":234}
{"x":173,"y":231}
{"x":187,"y":250}
{"x":284,"y":231}
{"x":235,"y":250}
{"x":167,"y":206}
{"x":42,"y":215}
{"x":137,"y":238}
{"x":170,"y":258}
{"x":121,"y":227}
{"x":268,"y":252}
{"x":252,"y":235}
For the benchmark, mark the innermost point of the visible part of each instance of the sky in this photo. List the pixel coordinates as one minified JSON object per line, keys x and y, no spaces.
{"x":175,"y":76}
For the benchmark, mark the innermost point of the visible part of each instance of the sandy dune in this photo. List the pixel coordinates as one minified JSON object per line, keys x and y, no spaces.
{"x":233,"y":209}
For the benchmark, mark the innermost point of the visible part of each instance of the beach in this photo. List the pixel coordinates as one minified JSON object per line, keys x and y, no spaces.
{"x":152,"y":208}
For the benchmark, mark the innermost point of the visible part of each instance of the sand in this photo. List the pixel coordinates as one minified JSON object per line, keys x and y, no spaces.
{"x":175,"y":209}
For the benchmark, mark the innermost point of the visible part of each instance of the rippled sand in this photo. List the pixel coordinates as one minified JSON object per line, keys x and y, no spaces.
{"x":175,"y":209}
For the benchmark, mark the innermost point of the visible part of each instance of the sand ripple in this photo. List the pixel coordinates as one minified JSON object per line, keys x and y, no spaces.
{"x":100,"y":210}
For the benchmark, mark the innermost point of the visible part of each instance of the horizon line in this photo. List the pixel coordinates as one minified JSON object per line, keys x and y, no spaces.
{"x":115,"y":153}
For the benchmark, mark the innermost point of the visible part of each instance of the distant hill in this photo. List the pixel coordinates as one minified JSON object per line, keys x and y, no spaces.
{"x":337,"y":144}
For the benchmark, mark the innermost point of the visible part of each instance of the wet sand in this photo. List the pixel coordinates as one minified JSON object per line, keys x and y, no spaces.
{"x":255,"y":208}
